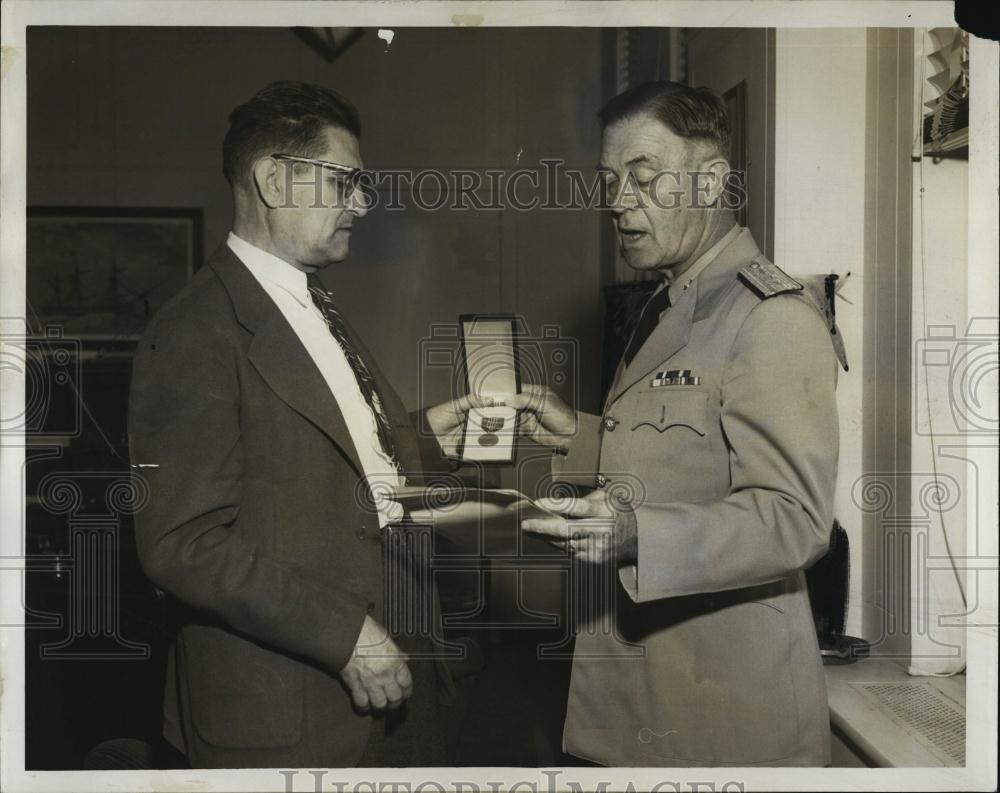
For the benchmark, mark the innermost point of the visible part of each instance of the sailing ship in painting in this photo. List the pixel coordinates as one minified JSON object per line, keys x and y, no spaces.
{"x":104,"y":277}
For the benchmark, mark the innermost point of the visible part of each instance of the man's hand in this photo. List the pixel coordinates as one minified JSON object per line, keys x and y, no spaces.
{"x":377,"y":675}
{"x":448,"y":419}
{"x":599,"y":529}
{"x":544,"y":417}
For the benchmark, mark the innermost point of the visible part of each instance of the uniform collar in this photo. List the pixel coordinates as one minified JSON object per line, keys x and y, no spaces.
{"x":719,"y":275}
{"x":689,"y":277}
{"x":266,"y":267}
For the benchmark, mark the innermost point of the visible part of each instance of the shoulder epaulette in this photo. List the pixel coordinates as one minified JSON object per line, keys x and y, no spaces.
{"x":767,"y":280}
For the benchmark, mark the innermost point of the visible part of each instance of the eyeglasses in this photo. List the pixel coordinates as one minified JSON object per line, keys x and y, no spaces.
{"x":351,"y":175}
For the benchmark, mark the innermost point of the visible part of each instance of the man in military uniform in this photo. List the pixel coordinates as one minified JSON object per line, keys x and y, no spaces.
{"x":721,"y":430}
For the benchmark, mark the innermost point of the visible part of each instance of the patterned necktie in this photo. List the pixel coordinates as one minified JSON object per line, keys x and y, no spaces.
{"x":366,"y":383}
{"x":657,"y":304}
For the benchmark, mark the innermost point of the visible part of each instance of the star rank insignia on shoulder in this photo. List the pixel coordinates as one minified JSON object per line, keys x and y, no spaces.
{"x":767,"y":280}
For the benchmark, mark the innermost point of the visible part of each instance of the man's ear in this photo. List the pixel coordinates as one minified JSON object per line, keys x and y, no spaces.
{"x":713,"y":177}
{"x":268,"y":182}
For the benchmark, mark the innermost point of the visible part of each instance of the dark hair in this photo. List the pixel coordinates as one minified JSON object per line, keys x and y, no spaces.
{"x":695,"y":114}
{"x":284,"y":116}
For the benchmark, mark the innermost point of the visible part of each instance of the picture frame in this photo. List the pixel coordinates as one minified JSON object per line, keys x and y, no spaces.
{"x":739,"y":158}
{"x":100,"y":273}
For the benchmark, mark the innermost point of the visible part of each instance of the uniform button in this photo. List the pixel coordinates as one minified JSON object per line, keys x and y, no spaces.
{"x":362,"y":534}
{"x":371,"y":606}
{"x":610,"y":424}
{"x":602,"y":480}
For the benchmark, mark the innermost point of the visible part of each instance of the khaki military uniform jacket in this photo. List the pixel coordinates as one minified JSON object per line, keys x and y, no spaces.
{"x":705,"y":652}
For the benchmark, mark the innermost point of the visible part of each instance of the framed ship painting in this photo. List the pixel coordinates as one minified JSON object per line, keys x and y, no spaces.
{"x":102,"y":272}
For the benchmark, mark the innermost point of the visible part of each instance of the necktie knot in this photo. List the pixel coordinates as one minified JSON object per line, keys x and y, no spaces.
{"x":660,"y":302}
{"x":648,"y":321}
{"x":316,"y":286}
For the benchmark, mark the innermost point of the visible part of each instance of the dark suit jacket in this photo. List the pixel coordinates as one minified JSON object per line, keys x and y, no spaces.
{"x":256,"y":525}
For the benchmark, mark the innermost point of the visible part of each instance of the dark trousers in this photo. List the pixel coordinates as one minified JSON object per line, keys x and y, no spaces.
{"x":415,"y":734}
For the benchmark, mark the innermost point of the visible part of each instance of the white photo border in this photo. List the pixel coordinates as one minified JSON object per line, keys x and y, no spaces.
{"x":980,"y":774}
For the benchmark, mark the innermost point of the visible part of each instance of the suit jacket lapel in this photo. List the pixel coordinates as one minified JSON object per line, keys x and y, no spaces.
{"x":279,"y":356}
{"x":287,"y":367}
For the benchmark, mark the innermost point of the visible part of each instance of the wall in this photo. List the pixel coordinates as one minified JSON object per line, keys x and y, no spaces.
{"x":136,"y":117}
{"x":945,"y":389}
{"x":950,"y":360}
{"x":819,"y":221}
{"x":749,"y":57}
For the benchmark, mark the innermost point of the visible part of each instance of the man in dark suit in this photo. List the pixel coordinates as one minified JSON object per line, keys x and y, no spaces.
{"x":268,"y":437}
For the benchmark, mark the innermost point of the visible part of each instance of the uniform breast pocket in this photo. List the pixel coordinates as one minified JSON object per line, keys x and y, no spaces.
{"x":672,"y":412}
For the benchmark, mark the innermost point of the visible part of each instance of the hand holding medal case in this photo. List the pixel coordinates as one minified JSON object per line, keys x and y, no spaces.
{"x":489,"y":351}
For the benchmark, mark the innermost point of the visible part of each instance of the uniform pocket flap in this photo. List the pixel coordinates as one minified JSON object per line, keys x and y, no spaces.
{"x":671,"y":408}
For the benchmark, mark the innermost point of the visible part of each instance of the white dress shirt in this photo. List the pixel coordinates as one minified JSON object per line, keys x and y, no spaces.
{"x":286,"y":286}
